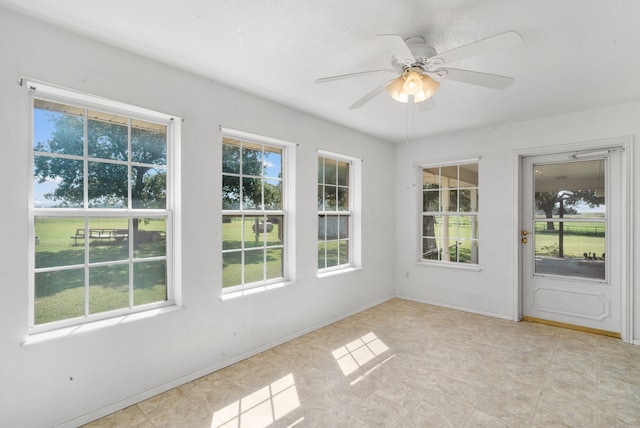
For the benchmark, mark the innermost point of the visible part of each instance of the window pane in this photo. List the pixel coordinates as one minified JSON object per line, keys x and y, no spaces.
{"x":344,"y":252}
{"x":107,"y":185}
{"x":320,"y":170}
{"x":343,"y":173}
{"x":148,"y":187}
{"x":449,"y":176}
{"x":149,"y":237}
{"x":273,"y":162}
{"x":273,"y":194}
{"x":330,"y":198}
{"x":332,"y":227}
{"x":344,"y":227}
{"x":274,"y":263}
{"x":59,"y":241}
{"x":576,"y":249}
{"x":108,"y":239}
{"x":430,"y":250}
{"x":343,"y":199}
{"x":428,"y":225}
{"x":322,"y":227}
{"x":231,"y":232}
{"x":108,"y":136}
{"x":469,"y":175}
{"x":431,"y":200}
{"x":149,"y":282}
{"x":58,"y":128}
{"x":252,"y":159}
{"x":251,"y":193}
{"x":254,"y":266}
{"x":108,"y":288}
{"x":579,"y":185}
{"x":275,"y":230}
{"x":330,"y":171}
{"x":431,"y":178}
{"x":148,"y":142}
{"x":255,"y":229}
{"x":231,"y":269}
{"x":231,"y":156}
{"x":57,"y":182}
{"x":453,"y":201}
{"x":333,"y":252}
{"x":230,"y":192}
{"x":322,"y":260}
{"x":468,"y":200}
{"x":320,"y":197}
{"x":59,"y":295}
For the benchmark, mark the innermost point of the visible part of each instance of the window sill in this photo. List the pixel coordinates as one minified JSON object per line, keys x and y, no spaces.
{"x":96,"y":325}
{"x":338,"y":271}
{"x":253,"y":290}
{"x":458,"y":266}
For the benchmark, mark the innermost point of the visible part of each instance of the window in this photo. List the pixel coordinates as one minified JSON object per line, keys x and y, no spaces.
{"x":449,"y":217}
{"x":101,"y":208}
{"x":336,"y":220}
{"x":255,"y":177}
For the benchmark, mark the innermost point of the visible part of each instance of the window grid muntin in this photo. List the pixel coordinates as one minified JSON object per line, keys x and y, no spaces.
{"x":86,"y":213}
{"x":228,"y":139}
{"x":431,"y":187}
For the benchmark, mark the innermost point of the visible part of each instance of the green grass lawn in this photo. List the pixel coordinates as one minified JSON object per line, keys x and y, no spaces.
{"x":60,"y":294}
{"x":579,"y":238}
{"x":261,"y":262}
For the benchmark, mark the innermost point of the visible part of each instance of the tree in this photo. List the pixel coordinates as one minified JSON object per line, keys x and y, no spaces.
{"x":549,"y":202}
{"x":108,"y":182}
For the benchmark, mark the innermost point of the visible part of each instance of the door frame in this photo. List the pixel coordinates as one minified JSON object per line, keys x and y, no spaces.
{"x":625,"y":247}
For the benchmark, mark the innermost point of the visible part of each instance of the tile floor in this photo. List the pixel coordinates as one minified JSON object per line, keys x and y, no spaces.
{"x":407,"y":364}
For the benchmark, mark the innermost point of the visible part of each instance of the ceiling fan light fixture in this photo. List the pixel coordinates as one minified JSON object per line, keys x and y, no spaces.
{"x":413,"y":83}
{"x":429,"y":87}
{"x":396,"y":90}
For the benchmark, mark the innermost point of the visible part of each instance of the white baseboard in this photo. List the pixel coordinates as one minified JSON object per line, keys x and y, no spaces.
{"x":458,"y":308}
{"x":129,"y":401}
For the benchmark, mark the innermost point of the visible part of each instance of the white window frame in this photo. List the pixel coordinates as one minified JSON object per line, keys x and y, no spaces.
{"x":445,"y":213}
{"x":47,"y":92}
{"x":287,"y":212}
{"x":354,"y":213}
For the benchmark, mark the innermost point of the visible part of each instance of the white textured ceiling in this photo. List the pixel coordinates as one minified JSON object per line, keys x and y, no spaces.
{"x":578,"y":54}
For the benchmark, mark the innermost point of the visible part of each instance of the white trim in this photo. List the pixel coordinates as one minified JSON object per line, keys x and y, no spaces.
{"x":44,"y":91}
{"x":627,"y":274}
{"x":354,"y":213}
{"x":53,"y":92}
{"x":456,"y":307}
{"x":432,"y":164}
{"x":137,"y":398}
{"x":287,"y":213}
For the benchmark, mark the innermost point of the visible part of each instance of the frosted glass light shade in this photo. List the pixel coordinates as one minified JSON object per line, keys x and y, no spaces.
{"x":419,"y":85}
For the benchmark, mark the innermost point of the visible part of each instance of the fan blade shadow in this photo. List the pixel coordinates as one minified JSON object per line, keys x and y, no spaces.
{"x":489,"y":45}
{"x":352,"y":75}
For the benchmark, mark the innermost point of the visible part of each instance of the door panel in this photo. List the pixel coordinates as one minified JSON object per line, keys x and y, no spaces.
{"x":571,"y":210}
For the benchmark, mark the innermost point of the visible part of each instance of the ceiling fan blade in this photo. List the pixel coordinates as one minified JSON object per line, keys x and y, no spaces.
{"x":481,"y":47}
{"x":371,"y":95}
{"x":350,"y":75}
{"x":493,"y":81}
{"x":398,"y":48}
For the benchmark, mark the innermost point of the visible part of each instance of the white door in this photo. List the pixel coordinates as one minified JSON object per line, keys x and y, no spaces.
{"x":571,"y":215}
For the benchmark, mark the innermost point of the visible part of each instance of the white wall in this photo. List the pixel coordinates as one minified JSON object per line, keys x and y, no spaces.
{"x":492,"y":290}
{"x":115,"y":366}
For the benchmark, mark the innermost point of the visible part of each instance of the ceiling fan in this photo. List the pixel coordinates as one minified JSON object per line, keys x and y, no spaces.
{"x":415,"y":62}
